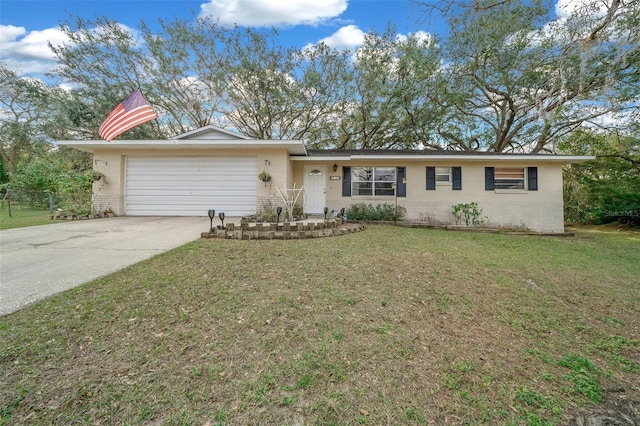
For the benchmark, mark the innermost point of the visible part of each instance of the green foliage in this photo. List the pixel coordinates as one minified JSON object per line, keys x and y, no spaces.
{"x":529,"y":397}
{"x":265,"y":90}
{"x":71,"y":186}
{"x":380,"y":212}
{"x":267,"y":212}
{"x":583,"y":376}
{"x":607,"y":188}
{"x":517,"y":82}
{"x":469,"y":212}
{"x":297,"y":210}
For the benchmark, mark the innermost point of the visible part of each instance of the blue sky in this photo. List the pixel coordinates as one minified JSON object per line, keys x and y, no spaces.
{"x":27,"y":25}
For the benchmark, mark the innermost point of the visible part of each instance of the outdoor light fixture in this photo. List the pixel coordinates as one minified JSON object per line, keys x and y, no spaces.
{"x":326,"y":210}
{"x":221,"y":216}
{"x":212,"y":214}
{"x":335,"y":167}
{"x":278,"y":212}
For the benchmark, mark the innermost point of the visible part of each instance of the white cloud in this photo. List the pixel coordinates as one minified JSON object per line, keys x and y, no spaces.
{"x":422,"y":36}
{"x":28,"y":52}
{"x":352,"y":37}
{"x":9,"y":33}
{"x":568,"y":8}
{"x":347,"y":37}
{"x":17,"y":43}
{"x":272,"y":12}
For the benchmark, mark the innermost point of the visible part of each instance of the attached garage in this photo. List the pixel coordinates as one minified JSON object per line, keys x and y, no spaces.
{"x":190,"y":185}
{"x":188,"y":174}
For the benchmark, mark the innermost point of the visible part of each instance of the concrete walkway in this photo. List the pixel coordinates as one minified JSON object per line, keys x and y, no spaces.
{"x":39,"y":261}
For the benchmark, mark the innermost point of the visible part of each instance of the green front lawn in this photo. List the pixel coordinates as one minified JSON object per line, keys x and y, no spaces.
{"x":22,"y":216}
{"x":387,"y":326}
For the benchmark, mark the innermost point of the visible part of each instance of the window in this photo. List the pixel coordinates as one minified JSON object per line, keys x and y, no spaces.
{"x":373,"y":181}
{"x":443,"y":174}
{"x":509,"y":178}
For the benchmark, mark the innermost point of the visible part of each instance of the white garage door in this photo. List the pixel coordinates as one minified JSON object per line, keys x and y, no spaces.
{"x":189,"y":186}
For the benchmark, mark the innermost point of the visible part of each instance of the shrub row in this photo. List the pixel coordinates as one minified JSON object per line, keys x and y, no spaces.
{"x":380,"y":212}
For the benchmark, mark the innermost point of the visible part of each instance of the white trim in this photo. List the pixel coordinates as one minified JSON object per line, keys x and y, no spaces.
{"x":210,"y":128}
{"x":448,"y":157}
{"x":334,"y":158}
{"x":294,"y":147}
{"x":511,"y":191}
{"x":484,"y":158}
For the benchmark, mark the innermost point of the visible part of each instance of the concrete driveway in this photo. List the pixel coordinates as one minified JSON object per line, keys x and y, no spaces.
{"x":39,"y":261}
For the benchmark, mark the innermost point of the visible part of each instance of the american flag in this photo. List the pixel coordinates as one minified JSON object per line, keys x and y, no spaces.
{"x":130,"y":113}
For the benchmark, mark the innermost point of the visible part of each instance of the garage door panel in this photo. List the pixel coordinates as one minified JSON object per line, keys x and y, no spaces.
{"x":189,"y":186}
{"x":173,"y":193}
{"x":182,"y":198}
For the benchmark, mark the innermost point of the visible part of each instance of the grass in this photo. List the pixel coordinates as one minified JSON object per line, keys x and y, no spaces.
{"x":22,"y":216}
{"x":386,"y":326}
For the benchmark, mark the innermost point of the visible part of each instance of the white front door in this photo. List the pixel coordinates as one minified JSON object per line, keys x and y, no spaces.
{"x":315,"y":189}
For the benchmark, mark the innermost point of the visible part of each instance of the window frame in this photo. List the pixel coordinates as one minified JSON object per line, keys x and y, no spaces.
{"x":376,"y":184}
{"x":518,"y":184}
{"x":449,"y":175}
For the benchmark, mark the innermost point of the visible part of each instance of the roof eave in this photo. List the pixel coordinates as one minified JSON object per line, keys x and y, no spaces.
{"x":293,"y":147}
{"x":565,"y":159}
{"x":517,"y":158}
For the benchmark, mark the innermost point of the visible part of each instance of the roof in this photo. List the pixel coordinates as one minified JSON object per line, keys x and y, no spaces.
{"x":293,"y":147}
{"x":210,"y":132}
{"x":212,"y":137}
{"x":207,"y":137}
{"x":432,"y":155}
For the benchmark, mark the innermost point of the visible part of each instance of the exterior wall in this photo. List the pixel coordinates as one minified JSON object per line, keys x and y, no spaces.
{"x":540,"y":210}
{"x":109,"y":193}
{"x":279,"y":167}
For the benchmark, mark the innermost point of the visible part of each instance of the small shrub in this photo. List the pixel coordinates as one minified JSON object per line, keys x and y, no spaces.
{"x":469,"y":212}
{"x":380,"y":212}
{"x":266,"y":213}
{"x":297,"y":210}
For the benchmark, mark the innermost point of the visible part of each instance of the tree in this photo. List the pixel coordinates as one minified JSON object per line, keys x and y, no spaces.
{"x":516,"y":81}
{"x":104,"y":62}
{"x":607,"y":188}
{"x":24,"y":117}
{"x":387,"y":94}
{"x":199,"y":73}
{"x":195,"y":74}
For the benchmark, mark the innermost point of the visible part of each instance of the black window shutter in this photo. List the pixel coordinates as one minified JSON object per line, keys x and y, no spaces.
{"x":401,"y":188}
{"x":431,"y":178}
{"x":532,"y":177}
{"x":346,"y":181}
{"x":489,"y":174}
{"x":456,"y":175}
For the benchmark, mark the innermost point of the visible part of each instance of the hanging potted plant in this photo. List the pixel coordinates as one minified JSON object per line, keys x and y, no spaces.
{"x":99,"y":176}
{"x":264,"y":176}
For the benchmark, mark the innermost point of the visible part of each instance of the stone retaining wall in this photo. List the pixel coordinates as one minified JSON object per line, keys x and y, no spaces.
{"x":285,"y":231}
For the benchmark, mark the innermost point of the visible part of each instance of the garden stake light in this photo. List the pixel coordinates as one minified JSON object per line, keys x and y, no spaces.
{"x":221,"y":216}
{"x":212,"y":214}
{"x":278,"y":212}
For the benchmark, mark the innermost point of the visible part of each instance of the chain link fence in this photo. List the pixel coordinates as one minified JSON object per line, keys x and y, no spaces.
{"x":34,"y":200}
